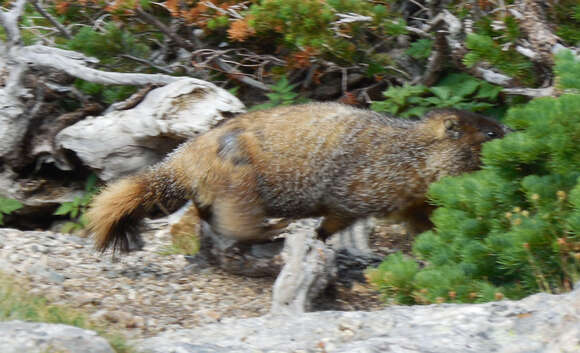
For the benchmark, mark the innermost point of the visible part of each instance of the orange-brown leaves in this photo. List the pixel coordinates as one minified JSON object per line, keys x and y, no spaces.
{"x":240,"y":30}
{"x":173,"y":7}
{"x":61,"y":7}
{"x":301,"y":59}
{"x":349,"y":98}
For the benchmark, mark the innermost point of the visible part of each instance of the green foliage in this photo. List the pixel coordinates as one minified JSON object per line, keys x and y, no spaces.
{"x":509,"y":230}
{"x":567,"y":70}
{"x":420,"y":49}
{"x":7,"y":206}
{"x":218,"y":22}
{"x":566,"y":18}
{"x":392,"y":276}
{"x":459,"y":91}
{"x":302,"y":24}
{"x":512,"y":63}
{"x":282,"y":94}
{"x":76,"y":209}
{"x":109,"y":94}
{"x":17,"y":304}
{"x":107,"y":45}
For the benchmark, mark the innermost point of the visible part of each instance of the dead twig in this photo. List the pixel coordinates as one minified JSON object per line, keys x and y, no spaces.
{"x":152,"y":20}
{"x":230,"y":61}
{"x":132,"y":101}
{"x":531,"y":92}
{"x":62,"y":29}
{"x":148,"y":63}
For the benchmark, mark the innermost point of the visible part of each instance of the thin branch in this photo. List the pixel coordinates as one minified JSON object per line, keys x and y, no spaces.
{"x":436,"y":60}
{"x":70,"y":90}
{"x":531,"y":92}
{"x":224,"y":63}
{"x":147,"y":62}
{"x":52,"y":20}
{"x":527,"y":52}
{"x":419,"y":32}
{"x":421,"y":6}
{"x":132,"y":101}
{"x":237,"y":75}
{"x":230,"y":11}
{"x":494,"y":77}
{"x":152,"y":20}
{"x":74,"y":64}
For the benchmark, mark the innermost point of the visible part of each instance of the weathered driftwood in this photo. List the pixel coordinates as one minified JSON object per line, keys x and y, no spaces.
{"x":26,"y":76}
{"x":303,"y":265}
{"x":141,"y":136}
{"x":309,"y":269}
{"x":16,"y":60}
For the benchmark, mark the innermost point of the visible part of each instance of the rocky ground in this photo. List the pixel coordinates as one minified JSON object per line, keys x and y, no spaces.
{"x":143,"y":293}
{"x":163,"y":304}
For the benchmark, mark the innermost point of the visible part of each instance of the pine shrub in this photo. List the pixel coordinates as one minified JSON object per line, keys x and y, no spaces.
{"x":510,"y":229}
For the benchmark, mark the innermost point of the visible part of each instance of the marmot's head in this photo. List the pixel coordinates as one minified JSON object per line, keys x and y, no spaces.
{"x":461,"y":135}
{"x":470,"y":127}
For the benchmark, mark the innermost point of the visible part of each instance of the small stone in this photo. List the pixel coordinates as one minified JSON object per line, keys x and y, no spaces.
{"x":45,"y":273}
{"x":39,"y":248}
{"x":115,"y":316}
{"x":135,"y":322}
{"x":88,"y":298}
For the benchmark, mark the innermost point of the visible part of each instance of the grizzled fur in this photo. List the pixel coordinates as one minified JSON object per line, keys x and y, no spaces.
{"x":315,"y":160}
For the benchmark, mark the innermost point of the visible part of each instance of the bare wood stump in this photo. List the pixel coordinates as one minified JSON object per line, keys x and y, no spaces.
{"x":309,"y":269}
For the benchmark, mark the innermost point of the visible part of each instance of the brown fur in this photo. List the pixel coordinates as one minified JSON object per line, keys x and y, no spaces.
{"x":320,"y":159}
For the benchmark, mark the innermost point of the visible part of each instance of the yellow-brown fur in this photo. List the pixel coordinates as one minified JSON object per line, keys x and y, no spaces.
{"x":320,"y":159}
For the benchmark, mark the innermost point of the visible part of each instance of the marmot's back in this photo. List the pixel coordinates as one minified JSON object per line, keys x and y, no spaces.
{"x":298,"y":152}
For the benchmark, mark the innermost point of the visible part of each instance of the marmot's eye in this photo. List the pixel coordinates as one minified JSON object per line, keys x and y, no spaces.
{"x":491,"y":134}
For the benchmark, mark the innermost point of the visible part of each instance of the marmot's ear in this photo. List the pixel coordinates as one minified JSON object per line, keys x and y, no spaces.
{"x":452,"y":127}
{"x":451,"y":124}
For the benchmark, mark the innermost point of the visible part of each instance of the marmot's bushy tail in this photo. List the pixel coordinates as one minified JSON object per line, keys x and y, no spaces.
{"x":117,"y":212}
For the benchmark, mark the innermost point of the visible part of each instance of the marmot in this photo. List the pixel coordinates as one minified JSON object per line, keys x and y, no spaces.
{"x":314,"y":160}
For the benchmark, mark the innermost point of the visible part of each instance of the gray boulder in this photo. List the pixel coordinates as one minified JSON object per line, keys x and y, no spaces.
{"x":539,"y":323}
{"x":32,"y":337}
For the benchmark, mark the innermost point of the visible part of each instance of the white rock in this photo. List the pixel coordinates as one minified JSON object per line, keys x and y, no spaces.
{"x":30,"y":337}
{"x":539,"y":323}
{"x":122,"y":142}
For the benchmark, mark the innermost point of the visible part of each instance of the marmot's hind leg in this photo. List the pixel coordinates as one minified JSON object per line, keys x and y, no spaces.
{"x":243,"y":219}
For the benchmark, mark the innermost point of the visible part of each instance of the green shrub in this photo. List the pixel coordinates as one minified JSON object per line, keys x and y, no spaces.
{"x":76,"y":208}
{"x":420,"y":49}
{"x":567,"y":71}
{"x":566,"y":19}
{"x":108,"y":44}
{"x":282,"y":94}
{"x":109,"y":94}
{"x":459,"y":91}
{"x":302,"y":24}
{"x":511,"y":229}
{"x":484,"y":48}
